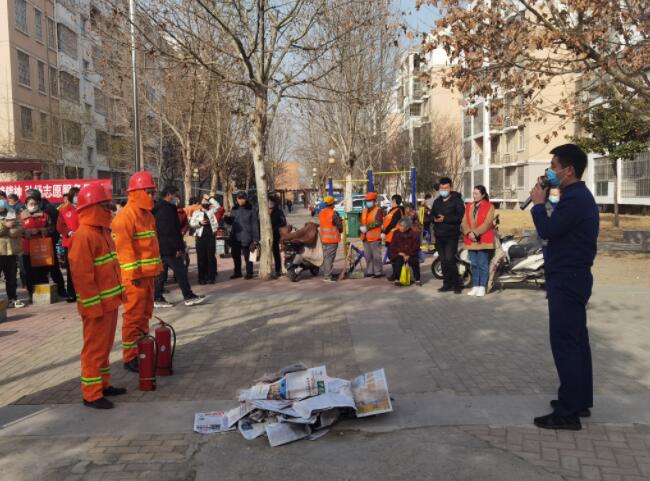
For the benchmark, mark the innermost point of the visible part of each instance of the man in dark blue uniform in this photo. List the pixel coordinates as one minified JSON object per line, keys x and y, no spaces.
{"x":572,"y":232}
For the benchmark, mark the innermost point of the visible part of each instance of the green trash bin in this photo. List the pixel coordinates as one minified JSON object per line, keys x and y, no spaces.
{"x":353,"y":224}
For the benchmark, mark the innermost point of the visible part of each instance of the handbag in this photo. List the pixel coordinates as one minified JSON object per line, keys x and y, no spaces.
{"x":405,"y":275}
{"x":41,"y":252}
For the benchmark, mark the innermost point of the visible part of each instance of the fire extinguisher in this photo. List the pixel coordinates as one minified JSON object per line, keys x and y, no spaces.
{"x":166,"y":346}
{"x":147,"y":353}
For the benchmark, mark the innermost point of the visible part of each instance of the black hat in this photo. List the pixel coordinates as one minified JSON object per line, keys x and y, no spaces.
{"x":242,"y":195}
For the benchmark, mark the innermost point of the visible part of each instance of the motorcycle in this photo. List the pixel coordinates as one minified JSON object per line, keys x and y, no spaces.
{"x":519,"y":263}
{"x":462,"y":264}
{"x":295,"y":262}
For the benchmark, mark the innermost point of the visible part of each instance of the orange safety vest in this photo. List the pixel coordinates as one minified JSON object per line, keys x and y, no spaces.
{"x":387,"y":220}
{"x":94,"y":267}
{"x":329,"y":233}
{"x":368,"y":217}
{"x":136,"y":240}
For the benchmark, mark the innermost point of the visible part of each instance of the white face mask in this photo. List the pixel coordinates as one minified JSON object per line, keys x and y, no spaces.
{"x":32,"y":208}
{"x":74,"y":200}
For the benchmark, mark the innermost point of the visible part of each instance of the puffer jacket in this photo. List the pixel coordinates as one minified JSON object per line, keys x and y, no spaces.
{"x":245,"y":224}
{"x":10,"y":237}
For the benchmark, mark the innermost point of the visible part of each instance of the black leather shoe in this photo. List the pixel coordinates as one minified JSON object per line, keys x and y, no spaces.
{"x":114,"y":391}
{"x":202,"y":283}
{"x":235,"y":276}
{"x":132,"y":365}
{"x":551,"y":421}
{"x":101,"y":403}
{"x":248,"y":277}
{"x":70,"y":300}
{"x":445,"y":289}
{"x":583,"y":413}
{"x":458,"y":290}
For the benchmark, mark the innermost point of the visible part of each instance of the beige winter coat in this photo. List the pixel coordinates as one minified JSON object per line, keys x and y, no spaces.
{"x":11,"y":237}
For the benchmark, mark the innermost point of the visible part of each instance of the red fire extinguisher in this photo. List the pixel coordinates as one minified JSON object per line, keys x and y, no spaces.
{"x":166,"y":346}
{"x":147,"y":352}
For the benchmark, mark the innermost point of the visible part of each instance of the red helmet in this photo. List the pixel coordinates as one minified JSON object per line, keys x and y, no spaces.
{"x":140,"y":181}
{"x":92,"y":194}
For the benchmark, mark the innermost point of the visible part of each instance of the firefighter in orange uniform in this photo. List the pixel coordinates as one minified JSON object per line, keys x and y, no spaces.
{"x":331,"y":227}
{"x":371,"y":221}
{"x":96,"y":276}
{"x":390,"y":224}
{"x":134,"y":231}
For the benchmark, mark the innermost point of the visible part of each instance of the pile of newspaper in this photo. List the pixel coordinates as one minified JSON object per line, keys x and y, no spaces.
{"x":299,"y":403}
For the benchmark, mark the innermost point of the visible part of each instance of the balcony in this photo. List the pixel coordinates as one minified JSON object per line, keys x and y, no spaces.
{"x":506,"y":158}
{"x":495,"y":158}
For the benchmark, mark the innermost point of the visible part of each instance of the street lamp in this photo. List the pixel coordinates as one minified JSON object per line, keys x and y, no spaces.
{"x":331,"y":159}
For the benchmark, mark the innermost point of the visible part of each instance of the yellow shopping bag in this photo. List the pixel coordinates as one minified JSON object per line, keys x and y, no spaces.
{"x":405,"y":276}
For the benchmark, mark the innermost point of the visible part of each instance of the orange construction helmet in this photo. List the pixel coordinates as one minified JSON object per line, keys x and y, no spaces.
{"x":92,"y":194}
{"x":371,"y":196}
{"x":140,"y":181}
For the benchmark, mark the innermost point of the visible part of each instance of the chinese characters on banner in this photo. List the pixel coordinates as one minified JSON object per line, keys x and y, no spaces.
{"x":53,"y":190}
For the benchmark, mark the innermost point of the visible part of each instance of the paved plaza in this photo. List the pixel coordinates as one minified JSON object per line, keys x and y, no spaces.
{"x":467,"y":376}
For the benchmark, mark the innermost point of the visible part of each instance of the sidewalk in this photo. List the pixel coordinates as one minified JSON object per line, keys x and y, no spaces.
{"x":467,"y":376}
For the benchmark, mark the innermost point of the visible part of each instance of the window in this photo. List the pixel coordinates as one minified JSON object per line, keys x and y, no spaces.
{"x":602,"y":189}
{"x":54,"y":82}
{"x":101,"y":141}
{"x":26,"y":122}
{"x":86,"y":67}
{"x":51,"y":34}
{"x":56,"y":131}
{"x":44,"y":127}
{"x":69,"y":87}
{"x":415,"y":110}
{"x":67,"y":40}
{"x":71,"y":133}
{"x":522,"y":139}
{"x":90,"y":154}
{"x":100,"y":102}
{"x":520,"y":176}
{"x":21,"y":15}
{"x":38,"y":24}
{"x":41,"y":77}
{"x":23,"y":68}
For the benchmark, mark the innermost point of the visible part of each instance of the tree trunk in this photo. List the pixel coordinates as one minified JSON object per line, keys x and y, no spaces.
{"x":187,"y":176}
{"x":227,"y":191}
{"x":214,"y":181}
{"x":616,"y":215}
{"x":348,"y":189}
{"x":259,"y":154}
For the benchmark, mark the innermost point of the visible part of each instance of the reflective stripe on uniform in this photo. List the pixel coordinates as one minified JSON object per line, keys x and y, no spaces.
{"x":89,"y":381}
{"x":144,"y":234}
{"x":89,"y":301}
{"x":329,"y":233}
{"x":105,"y":259}
{"x":128,"y":345}
{"x":105,"y":370}
{"x":129,"y":266}
{"x":113,"y":291}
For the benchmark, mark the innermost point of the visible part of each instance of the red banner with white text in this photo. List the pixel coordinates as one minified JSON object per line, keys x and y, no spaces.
{"x":53,"y":190}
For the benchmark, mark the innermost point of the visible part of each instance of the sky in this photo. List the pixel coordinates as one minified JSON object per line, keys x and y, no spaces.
{"x":417,"y":20}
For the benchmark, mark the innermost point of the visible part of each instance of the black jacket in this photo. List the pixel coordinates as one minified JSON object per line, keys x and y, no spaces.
{"x":245,"y":224}
{"x":277,"y":220}
{"x":170,"y":236}
{"x":453,"y":209}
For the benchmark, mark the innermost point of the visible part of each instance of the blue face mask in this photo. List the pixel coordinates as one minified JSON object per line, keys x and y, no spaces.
{"x":444,"y":193}
{"x":3,"y":204}
{"x":554,"y":199}
{"x":552,"y":177}
{"x":370,"y":204}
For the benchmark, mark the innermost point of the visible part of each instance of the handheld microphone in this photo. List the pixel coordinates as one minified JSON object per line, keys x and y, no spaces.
{"x":543,"y":181}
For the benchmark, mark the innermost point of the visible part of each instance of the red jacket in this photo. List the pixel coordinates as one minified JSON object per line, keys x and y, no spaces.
{"x":407,"y":242}
{"x":183,"y":220}
{"x":67,"y":223}
{"x":39,"y":220}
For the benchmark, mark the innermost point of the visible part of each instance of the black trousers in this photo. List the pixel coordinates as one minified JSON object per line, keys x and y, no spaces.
{"x":177,"y":265}
{"x":568,"y":294}
{"x":206,"y":259}
{"x":71,"y":292}
{"x":276,"y":254}
{"x":35,"y":275}
{"x":8,"y":266}
{"x":237,"y":250}
{"x":413,"y":261}
{"x":447,"y":248}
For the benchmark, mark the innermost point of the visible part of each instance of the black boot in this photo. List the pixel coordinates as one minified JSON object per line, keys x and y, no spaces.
{"x":101,"y":403}
{"x":114,"y":391}
{"x":132,"y":365}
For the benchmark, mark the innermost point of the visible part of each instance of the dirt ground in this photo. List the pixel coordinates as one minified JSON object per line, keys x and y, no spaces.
{"x":516,"y":221}
{"x":622,"y":268}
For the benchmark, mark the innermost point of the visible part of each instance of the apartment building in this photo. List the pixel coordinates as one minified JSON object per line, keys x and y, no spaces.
{"x":29,"y":86}
{"x":61,"y":104}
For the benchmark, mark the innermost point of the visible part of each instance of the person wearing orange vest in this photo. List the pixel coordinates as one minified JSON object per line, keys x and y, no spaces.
{"x":136,"y":240}
{"x":390,"y":224}
{"x":371,"y":221}
{"x":99,"y":291}
{"x":331,"y":227}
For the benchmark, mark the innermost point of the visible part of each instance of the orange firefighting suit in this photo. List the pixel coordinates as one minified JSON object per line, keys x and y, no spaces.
{"x":96,"y":276}
{"x":136,"y":241}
